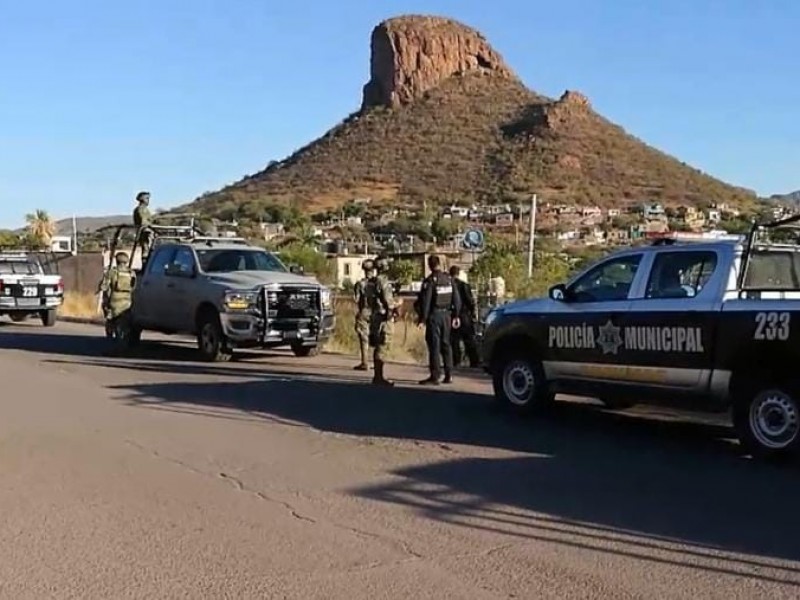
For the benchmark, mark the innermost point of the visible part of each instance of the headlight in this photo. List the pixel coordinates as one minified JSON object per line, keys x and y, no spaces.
{"x":240,"y":300}
{"x":325,"y":298}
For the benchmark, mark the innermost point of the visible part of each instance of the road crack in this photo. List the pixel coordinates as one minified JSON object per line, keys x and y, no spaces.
{"x":240,"y":486}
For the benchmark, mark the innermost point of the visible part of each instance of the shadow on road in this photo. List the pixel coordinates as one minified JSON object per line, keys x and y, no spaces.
{"x":598,"y":475}
{"x":588,"y":478}
{"x":15,"y":337}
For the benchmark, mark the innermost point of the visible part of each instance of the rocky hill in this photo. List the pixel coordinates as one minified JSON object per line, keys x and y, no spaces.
{"x":443,"y":118}
{"x":791,"y":198}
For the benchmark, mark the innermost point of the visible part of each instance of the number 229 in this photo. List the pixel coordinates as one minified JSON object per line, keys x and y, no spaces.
{"x":772,"y":326}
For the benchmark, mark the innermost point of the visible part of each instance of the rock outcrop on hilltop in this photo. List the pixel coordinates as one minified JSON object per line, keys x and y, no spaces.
{"x":443,"y":118}
{"x":411,"y":55}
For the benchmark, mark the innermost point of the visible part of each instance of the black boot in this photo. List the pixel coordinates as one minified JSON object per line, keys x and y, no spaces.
{"x":379,"y":379}
{"x":448,"y":377}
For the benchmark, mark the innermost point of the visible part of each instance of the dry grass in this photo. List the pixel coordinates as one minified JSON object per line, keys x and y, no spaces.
{"x":408,"y":344}
{"x":79,"y":306}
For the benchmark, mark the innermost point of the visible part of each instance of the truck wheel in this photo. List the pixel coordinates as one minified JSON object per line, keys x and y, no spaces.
{"x":49,"y":317}
{"x":19,"y":317}
{"x":211,"y":340}
{"x":304,"y":351}
{"x":519,"y":384}
{"x":767,"y":420}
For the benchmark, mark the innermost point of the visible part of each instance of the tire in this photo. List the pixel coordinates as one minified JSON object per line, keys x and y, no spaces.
{"x":305,"y":351}
{"x":49,"y":317}
{"x":767,"y":420}
{"x":211,"y":342}
{"x":520,"y":385}
{"x":617,"y":403}
{"x":19,"y":317}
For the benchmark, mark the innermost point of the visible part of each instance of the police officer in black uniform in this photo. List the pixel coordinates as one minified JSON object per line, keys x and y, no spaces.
{"x":438,"y":307}
{"x":468,"y":316}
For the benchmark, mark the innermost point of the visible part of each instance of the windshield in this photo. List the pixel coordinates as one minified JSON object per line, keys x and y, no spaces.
{"x":773,"y":270}
{"x":19,"y":267}
{"x":227,"y":261}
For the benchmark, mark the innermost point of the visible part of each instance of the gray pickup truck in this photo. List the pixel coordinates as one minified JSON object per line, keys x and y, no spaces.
{"x":704,"y":326}
{"x":230,"y":295}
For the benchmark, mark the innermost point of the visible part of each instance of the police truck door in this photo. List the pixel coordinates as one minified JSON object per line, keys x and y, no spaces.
{"x":671,"y":326}
{"x":584,"y":330}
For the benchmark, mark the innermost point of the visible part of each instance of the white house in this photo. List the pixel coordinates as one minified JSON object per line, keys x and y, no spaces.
{"x":62,"y":244}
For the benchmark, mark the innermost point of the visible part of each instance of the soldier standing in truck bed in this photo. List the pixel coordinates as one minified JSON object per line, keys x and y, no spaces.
{"x":439,"y":306}
{"x":142,"y":221}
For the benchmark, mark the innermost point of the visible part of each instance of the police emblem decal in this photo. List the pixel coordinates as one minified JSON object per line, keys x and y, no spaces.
{"x":609,"y":338}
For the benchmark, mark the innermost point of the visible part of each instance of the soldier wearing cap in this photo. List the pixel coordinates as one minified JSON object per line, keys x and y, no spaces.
{"x":363,"y":312}
{"x":117,"y":287}
{"x":142,"y":221}
{"x":383,"y":312}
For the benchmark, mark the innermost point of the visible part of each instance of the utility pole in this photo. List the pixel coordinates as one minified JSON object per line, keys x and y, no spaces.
{"x":531,"y":236}
{"x":74,"y":235}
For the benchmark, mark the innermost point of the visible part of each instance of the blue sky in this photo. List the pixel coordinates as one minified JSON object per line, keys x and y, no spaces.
{"x":101,"y":99}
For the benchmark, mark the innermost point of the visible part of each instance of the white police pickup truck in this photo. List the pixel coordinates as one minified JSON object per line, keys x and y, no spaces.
{"x":706,"y":326}
{"x":27,"y":290}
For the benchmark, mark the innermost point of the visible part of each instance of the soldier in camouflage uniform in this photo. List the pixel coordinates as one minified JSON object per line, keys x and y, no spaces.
{"x":142,"y":221}
{"x":363,"y":313}
{"x":117,"y":287}
{"x":383,"y":309}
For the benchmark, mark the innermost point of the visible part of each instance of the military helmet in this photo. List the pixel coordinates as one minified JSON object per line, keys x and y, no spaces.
{"x":142,"y":196}
{"x":122,"y":258}
{"x":368,"y":265}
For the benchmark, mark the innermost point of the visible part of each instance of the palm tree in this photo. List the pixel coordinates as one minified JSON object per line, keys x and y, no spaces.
{"x":41,"y":227}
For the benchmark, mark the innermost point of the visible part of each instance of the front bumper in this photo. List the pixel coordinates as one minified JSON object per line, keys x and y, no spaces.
{"x":247,"y":329}
{"x":16,"y":304}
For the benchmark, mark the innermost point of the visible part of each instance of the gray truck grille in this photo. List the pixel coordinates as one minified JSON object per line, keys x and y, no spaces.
{"x":292,"y":303}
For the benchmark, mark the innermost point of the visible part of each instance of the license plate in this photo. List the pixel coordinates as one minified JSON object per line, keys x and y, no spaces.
{"x":27,"y":302}
{"x":291,"y":335}
{"x":30,"y":291}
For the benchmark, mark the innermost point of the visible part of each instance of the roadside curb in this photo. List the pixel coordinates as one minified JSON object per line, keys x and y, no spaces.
{"x":99,"y":322}
{"x":82,"y":320}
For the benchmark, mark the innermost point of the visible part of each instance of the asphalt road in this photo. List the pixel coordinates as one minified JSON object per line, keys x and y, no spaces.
{"x":276,"y":477}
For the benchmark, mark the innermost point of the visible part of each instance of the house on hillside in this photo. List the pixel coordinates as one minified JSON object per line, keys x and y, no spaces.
{"x":347,"y":268}
{"x":653,"y":212}
{"x":504,"y":220}
{"x":270,"y":231}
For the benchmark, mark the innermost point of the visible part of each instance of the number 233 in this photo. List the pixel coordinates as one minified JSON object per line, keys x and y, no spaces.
{"x":772,"y":326}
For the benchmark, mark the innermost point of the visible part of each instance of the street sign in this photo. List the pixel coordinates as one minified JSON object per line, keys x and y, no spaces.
{"x":473,"y":240}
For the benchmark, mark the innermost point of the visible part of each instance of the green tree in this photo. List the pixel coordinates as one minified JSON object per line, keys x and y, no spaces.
{"x":503,"y":259}
{"x":307,"y":257}
{"x":9,"y":239}
{"x":444,"y":228}
{"x":40,"y":228}
{"x":405,"y":271}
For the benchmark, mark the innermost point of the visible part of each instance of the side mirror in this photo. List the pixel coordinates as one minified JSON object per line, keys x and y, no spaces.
{"x":558,"y":292}
{"x":297,"y":270}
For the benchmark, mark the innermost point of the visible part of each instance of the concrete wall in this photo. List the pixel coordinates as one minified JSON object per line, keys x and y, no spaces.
{"x":81,"y":273}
